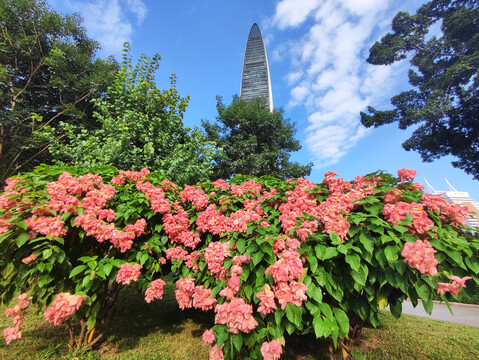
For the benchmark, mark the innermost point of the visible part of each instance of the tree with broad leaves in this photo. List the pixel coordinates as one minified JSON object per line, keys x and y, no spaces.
{"x":254,"y":140}
{"x":140,"y":126}
{"x":48,"y":74}
{"x":443,"y":105}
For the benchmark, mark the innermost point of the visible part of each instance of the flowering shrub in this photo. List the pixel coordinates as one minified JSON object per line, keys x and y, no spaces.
{"x":267,"y":257}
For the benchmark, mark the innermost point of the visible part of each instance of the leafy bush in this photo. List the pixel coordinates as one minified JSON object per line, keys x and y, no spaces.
{"x":270,"y":257}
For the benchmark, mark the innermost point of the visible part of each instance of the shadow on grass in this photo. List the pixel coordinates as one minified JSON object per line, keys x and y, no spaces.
{"x":135,"y":320}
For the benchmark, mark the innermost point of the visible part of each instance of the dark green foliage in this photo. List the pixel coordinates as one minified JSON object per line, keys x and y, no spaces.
{"x":443,"y":105}
{"x":254,"y":141}
{"x":48,"y":73}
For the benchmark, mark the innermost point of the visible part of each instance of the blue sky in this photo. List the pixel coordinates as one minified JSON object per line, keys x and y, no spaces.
{"x":316,"y":51}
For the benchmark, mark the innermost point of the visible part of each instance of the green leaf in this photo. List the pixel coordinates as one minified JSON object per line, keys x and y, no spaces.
{"x":360,"y":275}
{"x":400,"y":228}
{"x":77,"y":270}
{"x":354,"y":260}
{"x":314,"y":293}
{"x":342,"y":320}
{"x":473,"y":264}
{"x":396,"y":309}
{"x":107,"y":268}
{"x":238,"y":341}
{"x":313,"y":262}
{"x":241,"y":245}
{"x":423,"y":290}
{"x":329,"y":253}
{"x":144,"y":258}
{"x":367,"y":241}
{"x":257,"y":257}
{"x":22,"y":239}
{"x":320,"y":276}
{"x":391,"y":252}
{"x":318,"y":326}
{"x":294,"y":314}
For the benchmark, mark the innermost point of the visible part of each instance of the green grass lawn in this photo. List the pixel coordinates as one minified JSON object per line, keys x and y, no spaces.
{"x":160,"y":330}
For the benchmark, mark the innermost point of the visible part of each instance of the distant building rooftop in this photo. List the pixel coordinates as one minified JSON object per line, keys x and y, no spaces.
{"x":460,"y":198}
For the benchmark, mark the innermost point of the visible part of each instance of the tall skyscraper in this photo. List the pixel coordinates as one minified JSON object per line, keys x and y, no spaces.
{"x":255,"y":80}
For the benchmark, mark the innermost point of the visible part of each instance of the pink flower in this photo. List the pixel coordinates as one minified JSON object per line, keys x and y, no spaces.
{"x":63,"y":307}
{"x":271,"y":350}
{"x":220,"y":184}
{"x":195,"y":195}
{"x":202,"y":299}
{"x":29,"y":259}
{"x":215,"y":353}
{"x":209,"y":337}
{"x":267,"y":303}
{"x":406,"y":174}
{"x":420,"y":256}
{"x":12,"y":333}
{"x":46,"y":225}
{"x":155,"y":291}
{"x":185,"y":289}
{"x":292,"y":292}
{"x":237,"y":315}
{"x":454,"y":287}
{"x":128,"y":273}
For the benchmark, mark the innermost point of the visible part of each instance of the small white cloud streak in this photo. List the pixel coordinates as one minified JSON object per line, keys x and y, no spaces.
{"x":329,"y":75}
{"x":110,"y":21}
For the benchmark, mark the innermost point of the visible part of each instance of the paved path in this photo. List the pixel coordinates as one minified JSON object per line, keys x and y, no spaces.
{"x":463,"y":313}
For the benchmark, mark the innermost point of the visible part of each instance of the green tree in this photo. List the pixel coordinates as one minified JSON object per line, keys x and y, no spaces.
{"x":47,"y":69}
{"x":140,"y":126}
{"x":443,"y":105}
{"x":254,"y":140}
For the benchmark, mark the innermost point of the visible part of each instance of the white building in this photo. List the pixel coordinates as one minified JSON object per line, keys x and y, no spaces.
{"x":460,"y":198}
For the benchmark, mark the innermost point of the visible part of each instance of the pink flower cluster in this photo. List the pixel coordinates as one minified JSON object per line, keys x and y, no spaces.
{"x":421,"y":223}
{"x":406,"y":174}
{"x":285,"y":271}
{"x":209,"y":337}
{"x":420,"y":256}
{"x":271,"y":350}
{"x":237,"y":315}
{"x":215,"y":255}
{"x":158,"y":201}
{"x":188,"y":295}
{"x":155,"y":291}
{"x":49,"y":226}
{"x":131,"y":176}
{"x":220,"y":184}
{"x":331,"y":212}
{"x":128,"y":273}
{"x":195,"y":195}
{"x":215,"y":222}
{"x":63,"y":307}
{"x":267,"y":303}
{"x":185,"y":288}
{"x":177,"y":227}
{"x":202,"y":299}
{"x":215,"y":353}
{"x":448,"y":211}
{"x":250,"y":186}
{"x":234,"y":280}
{"x":18,"y":314}
{"x":454,"y":287}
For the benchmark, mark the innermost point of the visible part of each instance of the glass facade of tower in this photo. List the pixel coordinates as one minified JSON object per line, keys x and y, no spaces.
{"x":255,"y":80}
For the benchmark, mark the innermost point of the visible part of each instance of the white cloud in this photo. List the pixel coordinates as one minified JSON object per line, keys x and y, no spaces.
{"x":110,"y":21}
{"x":293,"y":12}
{"x":329,"y":74}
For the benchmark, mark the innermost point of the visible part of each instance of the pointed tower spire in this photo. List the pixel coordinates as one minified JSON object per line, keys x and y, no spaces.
{"x":255,"y":79}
